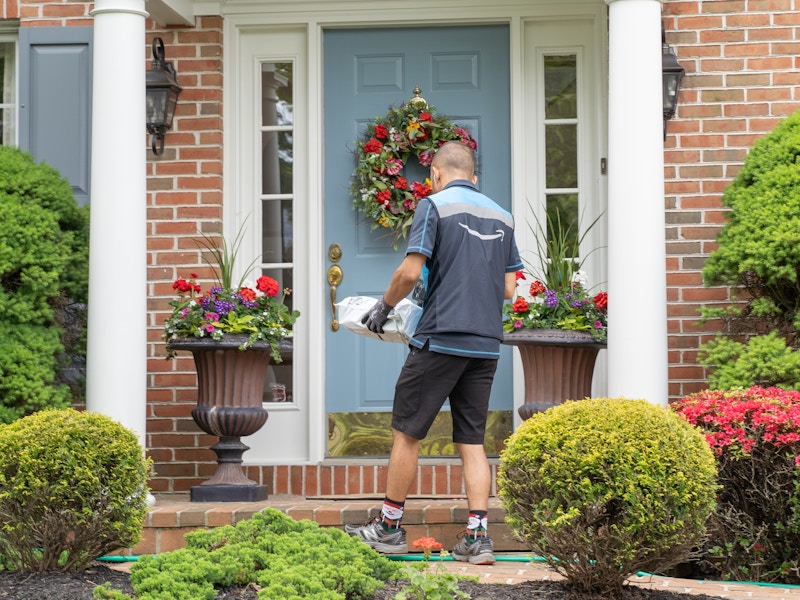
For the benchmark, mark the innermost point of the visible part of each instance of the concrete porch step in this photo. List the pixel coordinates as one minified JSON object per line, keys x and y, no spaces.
{"x":442,"y":518}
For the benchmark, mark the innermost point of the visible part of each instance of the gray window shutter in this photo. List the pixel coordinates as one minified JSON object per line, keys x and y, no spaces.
{"x":55,"y":95}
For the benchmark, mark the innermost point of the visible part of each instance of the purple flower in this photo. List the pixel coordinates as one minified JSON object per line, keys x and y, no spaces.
{"x":598,"y":325}
{"x":576,"y":303}
{"x":550,"y":298}
{"x":223,"y":307}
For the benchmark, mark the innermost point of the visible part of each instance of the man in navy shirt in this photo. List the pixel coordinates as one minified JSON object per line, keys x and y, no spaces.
{"x":466,"y":242}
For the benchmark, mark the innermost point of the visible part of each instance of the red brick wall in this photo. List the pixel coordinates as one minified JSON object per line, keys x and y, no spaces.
{"x":184,"y":197}
{"x":47,"y":14}
{"x":741,"y":61}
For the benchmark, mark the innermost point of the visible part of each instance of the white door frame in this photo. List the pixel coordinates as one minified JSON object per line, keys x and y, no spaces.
{"x":309,"y":20}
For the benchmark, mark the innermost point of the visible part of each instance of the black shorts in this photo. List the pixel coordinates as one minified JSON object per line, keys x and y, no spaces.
{"x":428,"y":379}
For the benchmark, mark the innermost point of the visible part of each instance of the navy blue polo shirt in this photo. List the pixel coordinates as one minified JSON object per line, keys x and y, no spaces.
{"x":468,"y":240}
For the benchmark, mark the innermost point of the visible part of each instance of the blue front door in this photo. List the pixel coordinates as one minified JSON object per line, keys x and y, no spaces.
{"x":464,"y":73}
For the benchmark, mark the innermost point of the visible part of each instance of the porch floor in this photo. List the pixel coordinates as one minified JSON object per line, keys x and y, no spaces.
{"x":442,"y":518}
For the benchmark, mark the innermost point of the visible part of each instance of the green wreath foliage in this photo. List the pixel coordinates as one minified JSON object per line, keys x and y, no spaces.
{"x":380,"y":190}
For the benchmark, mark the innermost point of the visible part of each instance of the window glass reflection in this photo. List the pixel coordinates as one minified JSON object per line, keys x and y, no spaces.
{"x":561,"y":156}
{"x":276,"y":231}
{"x":8,"y":94}
{"x":560,"y":87}
{"x":277,"y":157}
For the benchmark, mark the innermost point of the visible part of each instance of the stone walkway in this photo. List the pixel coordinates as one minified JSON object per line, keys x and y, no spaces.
{"x":516,"y":572}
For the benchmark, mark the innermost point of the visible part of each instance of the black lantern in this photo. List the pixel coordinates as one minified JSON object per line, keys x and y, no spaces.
{"x":162,"y":97}
{"x":672,"y":73}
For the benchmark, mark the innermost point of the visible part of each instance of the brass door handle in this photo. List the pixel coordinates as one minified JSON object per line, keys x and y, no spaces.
{"x":334,"y":279}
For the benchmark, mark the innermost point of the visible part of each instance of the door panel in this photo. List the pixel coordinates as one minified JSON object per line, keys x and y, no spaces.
{"x":464,"y":73}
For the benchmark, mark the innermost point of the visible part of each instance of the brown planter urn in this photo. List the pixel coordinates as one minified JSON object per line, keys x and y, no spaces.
{"x":230,"y":392}
{"x":558,"y":365}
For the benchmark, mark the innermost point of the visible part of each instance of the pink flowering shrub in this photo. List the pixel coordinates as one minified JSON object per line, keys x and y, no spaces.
{"x":754,"y":534}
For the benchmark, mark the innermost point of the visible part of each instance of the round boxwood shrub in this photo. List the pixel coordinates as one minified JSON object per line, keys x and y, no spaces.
{"x":72,"y":488}
{"x":603,"y":488}
{"x":44,"y":248}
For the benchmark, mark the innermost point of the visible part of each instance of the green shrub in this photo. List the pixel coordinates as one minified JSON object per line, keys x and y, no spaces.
{"x":72,"y":488}
{"x":764,"y":360}
{"x":759,"y":245}
{"x":603,"y":488}
{"x":287,"y":559}
{"x":754,"y":533}
{"x":43,"y":285}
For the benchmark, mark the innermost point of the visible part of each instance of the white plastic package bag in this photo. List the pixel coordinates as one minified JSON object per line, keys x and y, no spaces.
{"x":399,"y":328}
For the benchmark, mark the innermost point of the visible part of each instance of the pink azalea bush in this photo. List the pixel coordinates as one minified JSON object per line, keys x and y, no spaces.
{"x":755,"y":434}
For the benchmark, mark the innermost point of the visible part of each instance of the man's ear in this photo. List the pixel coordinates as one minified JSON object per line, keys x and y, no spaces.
{"x":474,"y":179}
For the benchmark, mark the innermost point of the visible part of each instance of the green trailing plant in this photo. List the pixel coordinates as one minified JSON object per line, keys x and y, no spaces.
{"x":603,"y":488}
{"x":758,"y":255}
{"x":284,"y":559}
{"x":754,"y":532}
{"x":73,"y":486}
{"x":43,"y":286}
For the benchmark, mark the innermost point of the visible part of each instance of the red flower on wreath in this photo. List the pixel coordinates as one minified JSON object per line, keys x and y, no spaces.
{"x":373,"y":146}
{"x":421,"y":190}
{"x":383,"y":197}
{"x":381,"y":132}
{"x":401,"y":183}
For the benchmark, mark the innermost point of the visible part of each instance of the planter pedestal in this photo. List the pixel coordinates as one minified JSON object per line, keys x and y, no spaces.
{"x":558,"y":365}
{"x":230,"y":389}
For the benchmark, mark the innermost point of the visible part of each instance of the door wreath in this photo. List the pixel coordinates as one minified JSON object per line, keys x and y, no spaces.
{"x":379,"y":189}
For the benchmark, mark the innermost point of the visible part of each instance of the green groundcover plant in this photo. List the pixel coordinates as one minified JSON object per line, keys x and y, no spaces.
{"x":754,"y":534}
{"x":603,"y":488}
{"x":283,"y":558}
{"x":72,"y":488}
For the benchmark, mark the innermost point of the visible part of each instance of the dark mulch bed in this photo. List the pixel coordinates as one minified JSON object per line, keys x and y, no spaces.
{"x":79,"y":586}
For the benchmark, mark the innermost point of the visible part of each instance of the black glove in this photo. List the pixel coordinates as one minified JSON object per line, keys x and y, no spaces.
{"x":377,"y":316}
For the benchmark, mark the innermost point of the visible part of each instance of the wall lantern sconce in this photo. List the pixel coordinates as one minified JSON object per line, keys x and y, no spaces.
{"x":672,"y":73}
{"x":162,"y":97}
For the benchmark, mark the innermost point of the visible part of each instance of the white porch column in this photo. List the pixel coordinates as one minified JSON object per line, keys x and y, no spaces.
{"x":637,"y":332}
{"x":117,"y":339}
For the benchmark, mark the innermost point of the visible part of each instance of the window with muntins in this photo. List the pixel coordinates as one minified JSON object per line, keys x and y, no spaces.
{"x":561,"y":145}
{"x":277,"y":199}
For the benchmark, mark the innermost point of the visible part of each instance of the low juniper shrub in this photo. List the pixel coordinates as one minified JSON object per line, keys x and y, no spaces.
{"x":72,"y":488}
{"x":603,"y":488}
{"x":283,"y":558}
{"x":754,"y":534}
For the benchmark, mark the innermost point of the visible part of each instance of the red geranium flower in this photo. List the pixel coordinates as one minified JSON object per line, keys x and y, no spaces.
{"x":520,"y":305}
{"x":425,"y":116}
{"x":247,"y":294}
{"x":268,"y":285}
{"x":537,"y":287}
{"x":601,"y":301}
